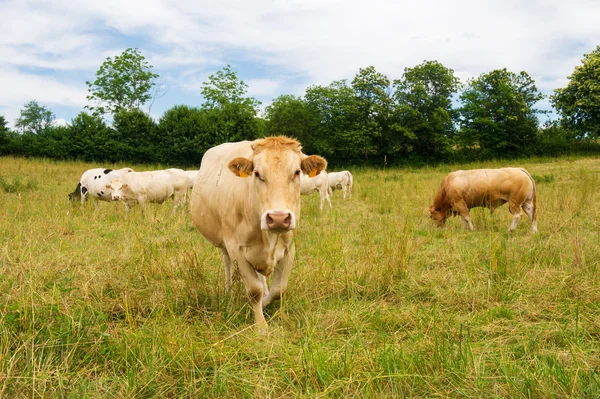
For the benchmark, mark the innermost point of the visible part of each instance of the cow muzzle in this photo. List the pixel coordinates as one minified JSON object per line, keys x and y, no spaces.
{"x":116,"y":198}
{"x":278,"y":220}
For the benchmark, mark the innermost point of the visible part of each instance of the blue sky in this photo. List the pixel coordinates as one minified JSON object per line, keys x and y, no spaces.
{"x":48,"y":49}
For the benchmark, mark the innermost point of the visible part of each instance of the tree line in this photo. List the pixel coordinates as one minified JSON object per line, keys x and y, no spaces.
{"x":425,"y":116}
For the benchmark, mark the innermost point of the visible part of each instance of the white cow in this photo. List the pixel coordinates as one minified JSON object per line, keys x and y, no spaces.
{"x":192,"y":175}
{"x":93,"y":183}
{"x":309,"y":185}
{"x":341,"y":181}
{"x":246,"y":202}
{"x":153,"y":186}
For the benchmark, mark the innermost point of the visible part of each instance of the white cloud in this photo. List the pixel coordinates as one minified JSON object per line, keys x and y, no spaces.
{"x":281,"y":47}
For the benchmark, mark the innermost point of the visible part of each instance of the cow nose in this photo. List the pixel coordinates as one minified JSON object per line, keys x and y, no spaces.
{"x":279,"y":220}
{"x":115,"y":197}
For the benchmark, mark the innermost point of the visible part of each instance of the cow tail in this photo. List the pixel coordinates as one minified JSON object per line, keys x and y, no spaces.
{"x":534,"y":199}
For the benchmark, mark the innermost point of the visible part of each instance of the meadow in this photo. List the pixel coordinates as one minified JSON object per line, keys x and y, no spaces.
{"x":104,"y":304}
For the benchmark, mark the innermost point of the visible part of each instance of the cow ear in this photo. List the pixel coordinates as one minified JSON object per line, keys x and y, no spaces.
{"x":124,"y":186}
{"x":313,"y":165}
{"x":108,"y":186}
{"x":241,"y":167}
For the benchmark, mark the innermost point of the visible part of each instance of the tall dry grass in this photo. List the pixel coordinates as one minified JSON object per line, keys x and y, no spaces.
{"x":104,"y":304}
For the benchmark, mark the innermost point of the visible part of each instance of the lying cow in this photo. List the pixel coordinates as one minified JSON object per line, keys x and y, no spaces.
{"x":246,"y":202}
{"x":309,"y":185}
{"x":93,"y":183}
{"x":340,"y":181}
{"x":490,"y":188}
{"x":153,"y":186}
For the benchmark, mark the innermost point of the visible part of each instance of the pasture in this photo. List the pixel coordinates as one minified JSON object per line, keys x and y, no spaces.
{"x":104,"y":304}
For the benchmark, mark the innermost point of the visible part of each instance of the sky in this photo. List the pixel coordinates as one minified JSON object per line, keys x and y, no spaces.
{"x":50,"y":48}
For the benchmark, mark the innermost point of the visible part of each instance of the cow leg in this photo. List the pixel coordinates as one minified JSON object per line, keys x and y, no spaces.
{"x":281,"y":274}
{"x":528,"y":208}
{"x":262,"y":278}
{"x":466,"y":215}
{"x":179,"y":199}
{"x":96,"y":203}
{"x":322,"y":198}
{"x":344,"y":188}
{"x":516,"y":212}
{"x":227,"y":268}
{"x":254,"y":289}
{"x":328,"y":199}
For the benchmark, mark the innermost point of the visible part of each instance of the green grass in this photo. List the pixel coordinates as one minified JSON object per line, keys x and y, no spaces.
{"x":101,"y":304}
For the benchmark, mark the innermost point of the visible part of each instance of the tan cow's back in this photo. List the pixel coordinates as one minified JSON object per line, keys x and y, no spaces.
{"x":502,"y":183}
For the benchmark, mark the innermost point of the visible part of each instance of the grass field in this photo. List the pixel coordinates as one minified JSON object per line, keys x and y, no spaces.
{"x":104,"y":304}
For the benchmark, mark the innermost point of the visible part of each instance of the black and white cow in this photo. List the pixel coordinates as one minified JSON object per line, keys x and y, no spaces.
{"x":93,"y":183}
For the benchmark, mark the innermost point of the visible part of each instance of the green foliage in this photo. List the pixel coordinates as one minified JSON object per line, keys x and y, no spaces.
{"x":425,"y":119}
{"x":498,"y":114}
{"x":179,"y":135}
{"x":338,"y":134}
{"x":578,"y":103}
{"x":374,"y":107}
{"x":34,"y":118}
{"x":290,"y":116}
{"x":224,"y":89}
{"x":124,"y":83}
{"x":5,"y":137}
{"x":135,"y":139}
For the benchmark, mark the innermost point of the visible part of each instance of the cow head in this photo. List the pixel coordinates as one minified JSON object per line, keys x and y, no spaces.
{"x":274,"y":171}
{"x":118,"y":189}
{"x":438,"y":216}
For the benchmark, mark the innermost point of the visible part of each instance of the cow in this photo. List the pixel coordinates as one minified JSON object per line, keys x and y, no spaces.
{"x":93,"y":183}
{"x":192,"y":175}
{"x":309,"y":185}
{"x":151,"y":186}
{"x":490,"y":188}
{"x":340,"y":181}
{"x":246,"y":202}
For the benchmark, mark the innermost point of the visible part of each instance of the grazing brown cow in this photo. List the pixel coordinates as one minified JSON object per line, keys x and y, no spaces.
{"x":246,"y":202}
{"x":490,"y":188}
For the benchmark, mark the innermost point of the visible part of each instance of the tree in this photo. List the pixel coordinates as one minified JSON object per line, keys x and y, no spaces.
{"x":372,"y":91}
{"x":91,"y":138}
{"x":231,"y":116}
{"x":224,"y":88}
{"x":424,"y":115}
{"x":124,"y":83}
{"x":290,"y":116}
{"x":34,"y":118}
{"x":338,"y":134}
{"x":5,"y":136}
{"x":498,"y":114}
{"x":179,"y":135}
{"x":579,"y":103}
{"x":135,"y":141}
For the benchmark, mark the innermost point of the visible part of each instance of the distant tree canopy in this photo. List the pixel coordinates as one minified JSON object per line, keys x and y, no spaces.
{"x":425,"y":119}
{"x":34,"y":118}
{"x":122,"y":83}
{"x":370,"y":120}
{"x":498,"y":113}
{"x":578,"y":104}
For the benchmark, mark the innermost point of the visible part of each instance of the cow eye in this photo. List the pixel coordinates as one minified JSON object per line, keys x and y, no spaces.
{"x":257,"y":175}
{"x":296,"y":173}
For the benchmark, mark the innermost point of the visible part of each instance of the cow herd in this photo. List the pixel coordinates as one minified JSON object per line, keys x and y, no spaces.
{"x":246,"y":201}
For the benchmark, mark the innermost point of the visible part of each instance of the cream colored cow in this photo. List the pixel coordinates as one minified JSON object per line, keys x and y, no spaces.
{"x":151,"y":186}
{"x":246,"y":202}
